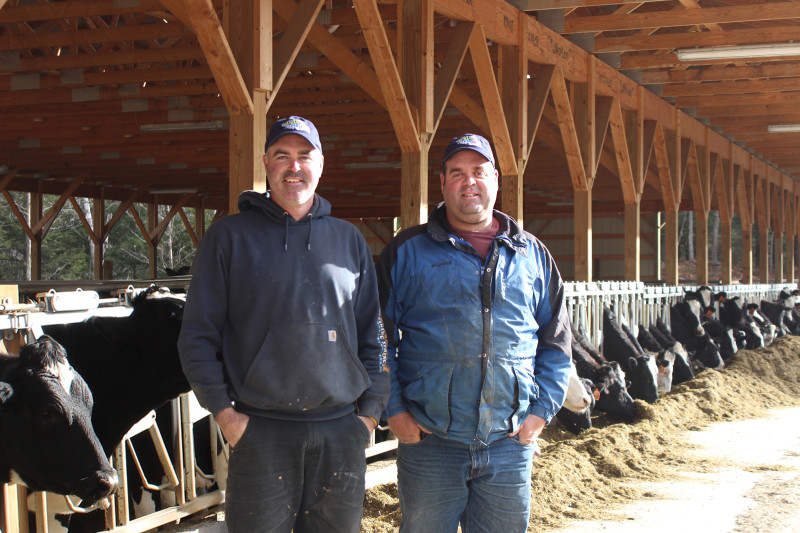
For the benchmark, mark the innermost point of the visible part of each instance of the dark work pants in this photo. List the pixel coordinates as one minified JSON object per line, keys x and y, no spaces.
{"x":306,"y":476}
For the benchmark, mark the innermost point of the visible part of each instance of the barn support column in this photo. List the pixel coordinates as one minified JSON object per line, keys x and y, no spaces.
{"x":701,"y":248}
{"x":726,"y":252}
{"x":583,"y":235}
{"x":152,"y":245}
{"x":747,"y":254}
{"x":789,"y":258}
{"x":632,"y":242}
{"x":414,"y":188}
{"x":249,"y":33}
{"x":763,"y":248}
{"x":200,"y":221}
{"x":777,"y":237}
{"x":671,"y":249}
{"x":98,"y":219}
{"x":36,"y":211}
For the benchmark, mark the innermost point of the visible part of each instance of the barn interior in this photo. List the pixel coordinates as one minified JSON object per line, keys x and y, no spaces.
{"x":596,"y":115}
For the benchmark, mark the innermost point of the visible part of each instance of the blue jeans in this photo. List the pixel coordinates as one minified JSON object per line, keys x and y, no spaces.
{"x":306,"y":476}
{"x":443,"y":482}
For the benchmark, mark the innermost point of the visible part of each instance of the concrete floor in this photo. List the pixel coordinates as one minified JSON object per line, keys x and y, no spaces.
{"x":758,"y":493}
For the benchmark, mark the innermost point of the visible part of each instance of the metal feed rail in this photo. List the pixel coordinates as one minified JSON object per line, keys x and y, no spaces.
{"x":635,"y":303}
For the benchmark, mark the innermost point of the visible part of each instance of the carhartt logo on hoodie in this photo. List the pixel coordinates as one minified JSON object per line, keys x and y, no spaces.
{"x":331,"y":335}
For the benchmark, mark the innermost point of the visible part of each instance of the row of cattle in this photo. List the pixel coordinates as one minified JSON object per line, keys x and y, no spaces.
{"x":71,"y":396}
{"x":706,"y":329}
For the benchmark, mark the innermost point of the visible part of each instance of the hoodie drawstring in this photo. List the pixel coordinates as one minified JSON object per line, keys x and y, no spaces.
{"x":286,"y":231}
{"x":286,"y":236}
{"x":309,"y":230}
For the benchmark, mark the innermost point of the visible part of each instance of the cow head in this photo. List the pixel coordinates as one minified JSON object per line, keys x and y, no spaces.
{"x":612,"y":395}
{"x":45,"y":418}
{"x":578,"y":399}
{"x":685,"y":319}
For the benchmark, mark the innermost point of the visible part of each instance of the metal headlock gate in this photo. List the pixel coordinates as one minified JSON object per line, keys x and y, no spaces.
{"x":634,"y":303}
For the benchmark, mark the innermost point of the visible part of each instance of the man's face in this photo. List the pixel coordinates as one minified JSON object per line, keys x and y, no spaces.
{"x":469,"y":187}
{"x":293,"y":167}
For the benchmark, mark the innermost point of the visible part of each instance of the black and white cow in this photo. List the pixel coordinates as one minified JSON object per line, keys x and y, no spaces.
{"x":609,"y":386}
{"x":47,"y":441}
{"x":132,"y":367}
{"x":654,"y":339}
{"x":780,"y":314}
{"x":130,"y":364}
{"x":733,"y":313}
{"x":640,"y":369}
{"x":576,"y":413}
{"x":687,"y":328}
{"x":768,"y":330}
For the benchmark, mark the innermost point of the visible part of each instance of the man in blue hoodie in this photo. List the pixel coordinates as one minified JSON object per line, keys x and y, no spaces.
{"x":479,"y":353}
{"x":282,"y":341}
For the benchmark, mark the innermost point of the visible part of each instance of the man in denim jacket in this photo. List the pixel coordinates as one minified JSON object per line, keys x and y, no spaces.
{"x":479,"y":353}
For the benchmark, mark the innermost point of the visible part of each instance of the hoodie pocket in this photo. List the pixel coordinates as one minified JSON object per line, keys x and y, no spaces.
{"x":303,"y":367}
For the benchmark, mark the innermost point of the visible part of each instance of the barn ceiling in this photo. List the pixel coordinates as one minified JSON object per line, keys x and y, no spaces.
{"x":116,"y":97}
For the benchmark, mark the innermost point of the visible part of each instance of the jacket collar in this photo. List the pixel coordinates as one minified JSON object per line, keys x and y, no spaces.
{"x":510,"y":233}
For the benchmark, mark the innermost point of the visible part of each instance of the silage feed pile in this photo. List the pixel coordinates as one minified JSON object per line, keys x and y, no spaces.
{"x":581,"y":477}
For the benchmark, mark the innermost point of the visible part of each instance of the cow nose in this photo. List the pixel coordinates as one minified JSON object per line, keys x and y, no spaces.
{"x":700,"y":331}
{"x":101,"y":484}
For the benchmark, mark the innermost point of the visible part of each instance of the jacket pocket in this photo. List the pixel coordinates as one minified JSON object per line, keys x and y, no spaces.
{"x":527,"y":392}
{"x":429,"y":396}
{"x":303,"y":367}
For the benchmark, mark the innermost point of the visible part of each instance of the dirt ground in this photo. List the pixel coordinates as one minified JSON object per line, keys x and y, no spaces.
{"x":590,"y":477}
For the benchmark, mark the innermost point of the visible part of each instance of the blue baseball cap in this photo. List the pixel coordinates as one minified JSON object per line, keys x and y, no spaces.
{"x":296,"y":126}
{"x":468,"y":141}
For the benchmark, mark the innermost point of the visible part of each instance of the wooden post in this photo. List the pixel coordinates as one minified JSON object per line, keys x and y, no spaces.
{"x":36,"y":211}
{"x":671,"y":249}
{"x":414,"y":188}
{"x":726,"y":252}
{"x":763,"y":248}
{"x":701,"y":248}
{"x":583,"y":235}
{"x":249,"y":25}
{"x":98,"y":220}
{"x":747,"y":254}
{"x":152,"y":247}
{"x":632,"y":242}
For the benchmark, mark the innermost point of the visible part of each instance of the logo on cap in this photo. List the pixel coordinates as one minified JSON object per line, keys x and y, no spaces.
{"x":469,"y":140}
{"x":294,"y":124}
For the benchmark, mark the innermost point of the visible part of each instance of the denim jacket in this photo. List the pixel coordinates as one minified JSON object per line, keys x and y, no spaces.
{"x":475,"y":345}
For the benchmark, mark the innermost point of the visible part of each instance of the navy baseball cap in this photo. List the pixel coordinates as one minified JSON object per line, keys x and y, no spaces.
{"x":296,"y":126}
{"x":468,"y":141}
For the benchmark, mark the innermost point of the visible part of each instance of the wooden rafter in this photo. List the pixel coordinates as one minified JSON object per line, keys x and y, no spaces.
{"x":672,"y":18}
{"x":206,"y":24}
{"x":388,"y":76}
{"x":506,"y":158}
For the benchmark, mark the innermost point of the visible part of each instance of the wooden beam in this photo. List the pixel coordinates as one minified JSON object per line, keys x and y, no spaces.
{"x":490,"y":95}
{"x":388,"y":75}
{"x":536,"y":104}
{"x":359,"y":71}
{"x":43,"y":224}
{"x":558,"y":90}
{"x":75,"y":8}
{"x":446,"y":78}
{"x":417,"y":61}
{"x":626,"y":178}
{"x":671,"y":41}
{"x":292,"y":39}
{"x":673,"y":18}
{"x":218,"y":53}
